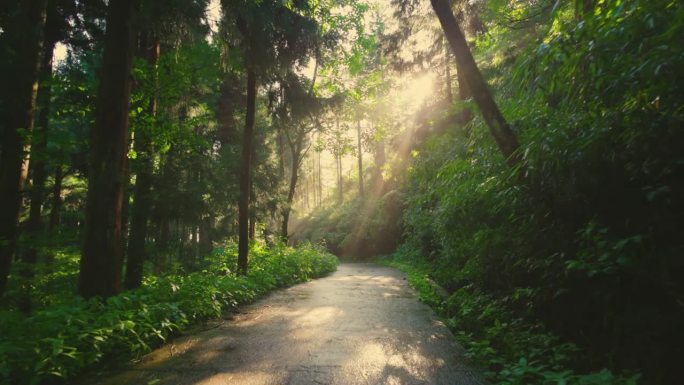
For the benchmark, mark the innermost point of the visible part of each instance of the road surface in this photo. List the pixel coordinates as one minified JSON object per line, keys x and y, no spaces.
{"x":361,"y":325}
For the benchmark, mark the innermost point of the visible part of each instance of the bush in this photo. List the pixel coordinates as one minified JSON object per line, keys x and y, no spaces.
{"x":583,"y":241}
{"x":65,"y":337}
{"x":510,"y":350}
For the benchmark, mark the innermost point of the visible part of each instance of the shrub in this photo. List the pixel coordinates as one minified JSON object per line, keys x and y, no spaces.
{"x":66,"y":336}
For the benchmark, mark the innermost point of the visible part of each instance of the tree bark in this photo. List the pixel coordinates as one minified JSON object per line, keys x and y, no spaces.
{"x":295,"y":150}
{"x":498,"y":127}
{"x":358,"y":142}
{"x":20,"y":45}
{"x":205,"y":242}
{"x":143,"y":184}
{"x":34,"y":225}
{"x":252,"y":211}
{"x":100,"y":273}
{"x":245,"y":174}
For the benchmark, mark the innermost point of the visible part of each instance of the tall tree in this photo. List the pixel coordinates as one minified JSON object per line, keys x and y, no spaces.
{"x":20,"y":48}
{"x":149,"y":47}
{"x":245,"y":173}
{"x":100,"y":266}
{"x":54,"y":26}
{"x":499,"y":128}
{"x":359,"y":149}
{"x":272,"y":36}
{"x":295,"y":114}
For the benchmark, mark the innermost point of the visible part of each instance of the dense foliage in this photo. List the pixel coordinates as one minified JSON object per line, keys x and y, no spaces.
{"x":509,"y":349}
{"x":522,"y":159}
{"x":582,"y":239}
{"x":66,"y":334}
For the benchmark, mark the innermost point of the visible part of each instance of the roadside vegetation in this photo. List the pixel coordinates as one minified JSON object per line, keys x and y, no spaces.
{"x":565,"y":266}
{"x":65,"y":334}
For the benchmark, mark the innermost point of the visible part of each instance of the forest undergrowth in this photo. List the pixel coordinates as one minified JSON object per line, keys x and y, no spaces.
{"x":565,"y":268}
{"x":65,"y":335}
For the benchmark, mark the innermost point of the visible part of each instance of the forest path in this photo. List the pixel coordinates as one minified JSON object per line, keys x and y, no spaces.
{"x":361,"y":325}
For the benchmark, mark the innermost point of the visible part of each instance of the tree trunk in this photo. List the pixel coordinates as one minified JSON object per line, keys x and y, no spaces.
{"x":100,"y":273}
{"x":296,"y":155}
{"x":245,"y":174}
{"x":499,"y":128}
{"x":281,"y":154}
{"x":252,"y":211}
{"x":205,"y":242}
{"x":56,"y":208}
{"x":466,"y":115}
{"x":143,"y":184}
{"x":320,"y":182}
{"x":162,"y":206}
{"x":447,"y":74}
{"x":20,"y":45}
{"x":358,"y":142}
{"x":34,"y":225}
{"x":313,"y":180}
{"x":340,"y":193}
{"x":338,"y":159}
{"x":252,"y":201}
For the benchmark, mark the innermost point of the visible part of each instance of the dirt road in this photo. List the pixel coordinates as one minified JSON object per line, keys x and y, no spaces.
{"x":361,"y":325}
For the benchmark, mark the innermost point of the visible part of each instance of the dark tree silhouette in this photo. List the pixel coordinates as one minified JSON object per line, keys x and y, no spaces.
{"x":20,"y":48}
{"x":101,"y":258}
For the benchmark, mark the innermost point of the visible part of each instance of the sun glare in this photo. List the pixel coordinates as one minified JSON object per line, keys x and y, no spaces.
{"x":416,"y":90}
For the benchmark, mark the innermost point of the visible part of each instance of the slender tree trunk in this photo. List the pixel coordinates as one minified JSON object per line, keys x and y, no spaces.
{"x":34,"y":225}
{"x":143,"y":184}
{"x":341,"y":181}
{"x":314,"y":172}
{"x":466,"y":115}
{"x":499,"y":128}
{"x":252,"y":211}
{"x":320,"y":181}
{"x":360,"y":149}
{"x":194,"y":242}
{"x":162,"y":206}
{"x":100,"y":273}
{"x":313,"y":180}
{"x":245,"y":175}
{"x":126,"y":207}
{"x":281,"y":155}
{"x":205,"y":242}
{"x":296,"y":154}
{"x":21,"y":42}
{"x":56,"y":208}
{"x":162,"y":243}
{"x":447,"y":74}
{"x":252,"y":201}
{"x":307,"y":197}
{"x":55,"y":211}
{"x":338,"y":159}
{"x":180,"y":240}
